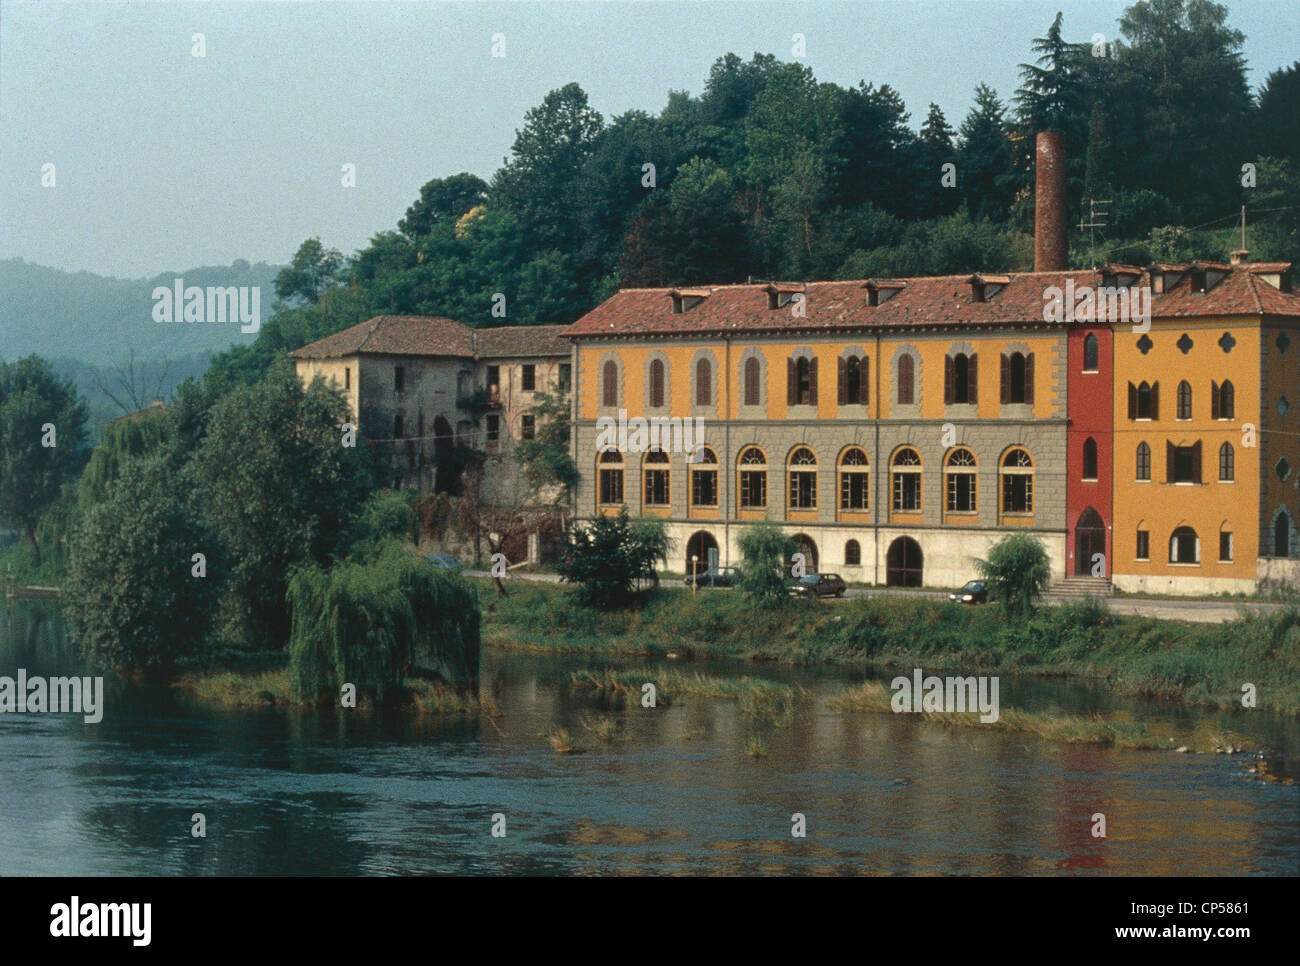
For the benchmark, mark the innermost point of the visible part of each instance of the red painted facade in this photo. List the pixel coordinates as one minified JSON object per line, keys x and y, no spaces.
{"x":1090,"y":409}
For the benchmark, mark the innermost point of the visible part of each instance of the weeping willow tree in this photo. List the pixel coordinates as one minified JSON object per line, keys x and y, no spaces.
{"x":135,"y":435}
{"x":365,"y":623}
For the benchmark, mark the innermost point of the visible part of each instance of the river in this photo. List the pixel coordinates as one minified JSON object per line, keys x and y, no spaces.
{"x":358,"y":793}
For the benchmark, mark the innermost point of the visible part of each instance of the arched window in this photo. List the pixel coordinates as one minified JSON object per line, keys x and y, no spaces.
{"x":854,"y":479}
{"x":1282,"y":535}
{"x":610,"y":478}
{"x":1227,"y":463}
{"x":1184,"y":400}
{"x":803,"y":479}
{"x":657,"y":472}
{"x":1145,"y":397}
{"x":753,"y":477}
{"x":1223,"y":402}
{"x":1017,"y":482}
{"x":1090,"y":353}
{"x":959,"y":384}
{"x":1143,"y":462}
{"x":853,"y":381}
{"x":751,"y":382}
{"x":1184,"y":546}
{"x":906,"y":471}
{"x":656,"y":384}
{"x":960,"y":472}
{"x":906,"y":374}
{"x":704,"y":477}
{"x":609,"y":383}
{"x":703,"y":383}
{"x":852,"y":554}
{"x":1018,"y":378}
{"x":1089,"y":459}
{"x":802,"y":383}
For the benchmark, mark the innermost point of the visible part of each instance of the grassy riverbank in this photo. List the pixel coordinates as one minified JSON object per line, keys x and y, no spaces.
{"x":1203,"y":665}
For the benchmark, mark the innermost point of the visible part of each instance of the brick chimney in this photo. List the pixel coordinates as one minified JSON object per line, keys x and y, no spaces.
{"x":1240,"y":256}
{"x":1050,"y":248}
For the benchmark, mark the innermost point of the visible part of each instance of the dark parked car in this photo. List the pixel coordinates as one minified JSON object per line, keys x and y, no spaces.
{"x":444,"y":561}
{"x":975,"y":592}
{"x":722,"y":577}
{"x":819,"y":585}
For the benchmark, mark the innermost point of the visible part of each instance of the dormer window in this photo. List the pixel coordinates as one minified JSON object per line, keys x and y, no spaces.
{"x":984,"y":287}
{"x":880,"y":291}
{"x":1197,"y":280}
{"x":779,"y":297}
{"x":686,"y":299}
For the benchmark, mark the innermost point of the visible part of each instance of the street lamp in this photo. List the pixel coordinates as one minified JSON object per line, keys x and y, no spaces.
{"x":695,"y":573}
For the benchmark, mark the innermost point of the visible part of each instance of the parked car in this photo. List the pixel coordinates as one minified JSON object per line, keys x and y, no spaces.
{"x":819,"y":585}
{"x":444,"y":561}
{"x":974,"y":592}
{"x":721,"y":577}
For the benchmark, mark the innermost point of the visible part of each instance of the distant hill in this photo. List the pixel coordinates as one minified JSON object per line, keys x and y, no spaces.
{"x":98,"y":320}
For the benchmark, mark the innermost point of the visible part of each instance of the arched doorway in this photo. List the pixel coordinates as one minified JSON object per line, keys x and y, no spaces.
{"x":699,"y":545}
{"x":1089,"y":539}
{"x":903,"y":563}
{"x":1282,"y":535}
{"x":804,"y":544}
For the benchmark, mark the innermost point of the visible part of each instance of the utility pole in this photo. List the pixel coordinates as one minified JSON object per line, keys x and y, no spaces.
{"x":1098,"y":212}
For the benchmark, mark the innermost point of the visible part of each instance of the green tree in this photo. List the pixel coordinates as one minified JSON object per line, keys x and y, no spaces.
{"x":545,"y":459}
{"x":985,"y":166}
{"x":935,"y":148}
{"x":313,"y":269}
{"x":133,"y":600}
{"x":1277,"y":118}
{"x":606,"y":558}
{"x":764,"y":549}
{"x":1017,"y":570}
{"x":443,"y":199}
{"x":42,"y":442}
{"x":277,"y":486}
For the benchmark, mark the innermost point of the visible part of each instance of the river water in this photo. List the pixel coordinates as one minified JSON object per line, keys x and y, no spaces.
{"x":359,"y":793}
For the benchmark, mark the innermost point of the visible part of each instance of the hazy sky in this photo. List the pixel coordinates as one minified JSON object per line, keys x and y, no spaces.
{"x":165,"y":161}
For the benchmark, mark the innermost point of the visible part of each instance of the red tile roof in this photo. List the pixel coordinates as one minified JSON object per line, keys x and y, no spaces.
{"x":394,"y":335}
{"x":945,"y":300}
{"x":512,"y":341}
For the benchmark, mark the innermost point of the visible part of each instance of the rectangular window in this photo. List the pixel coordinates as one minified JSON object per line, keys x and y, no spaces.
{"x":853,"y":491}
{"x":803,"y":490}
{"x":528,"y":378}
{"x":1143,"y":545}
{"x":347,"y":377}
{"x":704,"y":488}
{"x":493,"y":428}
{"x":1017,"y":493}
{"x":753,"y":489}
{"x":527,"y":426}
{"x":907,"y":492}
{"x":656,"y":488}
{"x":1225,"y":546}
{"x":398,"y":427}
{"x":399,"y":378}
{"x":494,"y":377}
{"x":566,"y":375}
{"x":961,"y":492}
{"x":1185,"y":469}
{"x":611,"y":487}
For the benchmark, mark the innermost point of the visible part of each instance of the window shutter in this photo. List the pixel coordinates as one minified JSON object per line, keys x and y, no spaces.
{"x":947,"y":381}
{"x":843,"y":382}
{"x":972,"y":379}
{"x":906,"y":374}
{"x":864,"y":372}
{"x":1155,"y":400}
{"x":1132,"y":401}
{"x":1006,"y":379}
{"x":812,"y":381}
{"x":1169,"y":462}
{"x":1029,"y":378}
{"x":1214,"y":399}
{"x":1196,"y":462}
{"x":791,"y":381}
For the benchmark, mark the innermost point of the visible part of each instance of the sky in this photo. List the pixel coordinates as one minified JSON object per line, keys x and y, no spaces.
{"x":165,"y":161}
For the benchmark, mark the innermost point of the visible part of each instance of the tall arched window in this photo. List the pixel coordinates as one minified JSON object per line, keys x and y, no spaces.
{"x":1227,"y":463}
{"x":803,"y":479}
{"x":802,"y":382}
{"x":1143,"y":462}
{"x":1017,"y":482}
{"x":609,"y":383}
{"x":854,"y":479}
{"x":1282,"y":535}
{"x":959,"y":384}
{"x":1184,"y":546}
{"x":610,"y":478}
{"x":656,"y":491}
{"x":852,"y":554}
{"x":703,"y":383}
{"x":1090,"y":353}
{"x":704,"y":477}
{"x":1018,"y":378}
{"x":1089,"y":459}
{"x":656,"y":384}
{"x":1223,"y":403}
{"x":751,"y":382}
{"x":960,"y":485}
{"x":853,"y":381}
{"x":1184,"y":400}
{"x":753,"y":478}
{"x":906,"y":375}
{"x":906,"y":470}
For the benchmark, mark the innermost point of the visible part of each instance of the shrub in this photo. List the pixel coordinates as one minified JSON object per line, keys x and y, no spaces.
{"x":606,"y":558}
{"x":1017,"y":570}
{"x":764,"y":549}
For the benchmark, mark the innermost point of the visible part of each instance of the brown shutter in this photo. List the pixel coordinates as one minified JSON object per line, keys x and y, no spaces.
{"x":1155,"y":400}
{"x":1214,"y":399}
{"x":1169,"y":462}
{"x":812,"y":381}
{"x":843,"y":382}
{"x":1196,"y":462}
{"x":1006,"y":380}
{"x":791,"y":381}
{"x":906,"y":375}
{"x":1132,"y":401}
{"x":947,"y":381}
{"x":864,"y":372}
{"x":1029,"y":378}
{"x":972,"y":378}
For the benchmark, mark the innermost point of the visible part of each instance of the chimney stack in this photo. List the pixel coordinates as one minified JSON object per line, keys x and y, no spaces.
{"x":1241,"y":256}
{"x":1050,"y":248}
